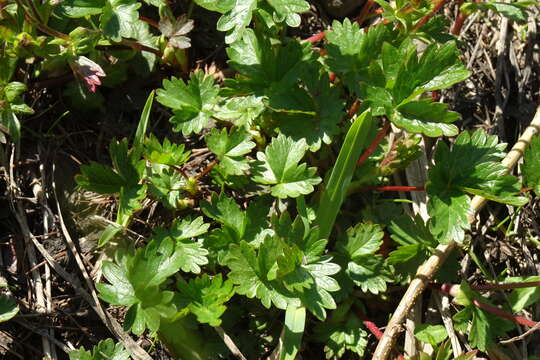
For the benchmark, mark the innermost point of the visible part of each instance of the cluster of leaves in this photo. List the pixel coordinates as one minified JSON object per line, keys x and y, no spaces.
{"x":271,"y":132}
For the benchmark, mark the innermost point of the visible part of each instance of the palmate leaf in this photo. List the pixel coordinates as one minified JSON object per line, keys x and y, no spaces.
{"x":230,"y":148}
{"x":192,"y":103}
{"x":267,"y":68}
{"x":118,"y":18}
{"x":363,"y":266}
{"x":415,"y":243}
{"x":167,"y":185}
{"x":188,"y":255}
{"x":241,"y":111}
{"x":205,"y":297}
{"x":531,"y":165}
{"x":312,"y":112}
{"x":237,"y":19}
{"x":344,"y":336}
{"x":471,"y":166}
{"x":287,"y":10}
{"x":250,"y":225}
{"x":237,"y":14}
{"x":167,"y":153}
{"x":250,"y":275}
{"x":104,"y":350}
{"x":279,"y":167}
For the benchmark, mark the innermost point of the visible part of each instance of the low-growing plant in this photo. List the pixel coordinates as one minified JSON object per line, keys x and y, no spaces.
{"x":254,"y":246}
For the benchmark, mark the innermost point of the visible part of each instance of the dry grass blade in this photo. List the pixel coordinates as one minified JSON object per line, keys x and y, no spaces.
{"x":429,"y":268}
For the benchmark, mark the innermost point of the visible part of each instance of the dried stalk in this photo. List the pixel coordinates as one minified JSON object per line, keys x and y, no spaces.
{"x":429,"y":268}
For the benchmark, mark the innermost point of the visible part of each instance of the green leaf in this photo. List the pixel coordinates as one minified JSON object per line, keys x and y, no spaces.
{"x":118,"y":17}
{"x":485,"y":327}
{"x":192,"y":103}
{"x":108,"y":234}
{"x":288,"y":10}
{"x":237,"y":19}
{"x":426,"y":117}
{"x":438,"y":68}
{"x":241,"y":111}
{"x":416,"y":242}
{"x":519,"y":299}
{"x":226,"y":211}
{"x":104,"y":350}
{"x":167,"y":185}
{"x":10,"y":124}
{"x":362,"y":239}
{"x":8,"y":308}
{"x":80,"y":8}
{"x":188,"y":255}
{"x":230,"y":148}
{"x":335,"y":189}
{"x":129,"y":201}
{"x":205,"y":297}
{"x":531,"y":165}
{"x":268,"y":69}
{"x":130,"y":168}
{"x":167,"y":153}
{"x":221,"y":6}
{"x":99,"y":178}
{"x":430,"y":334}
{"x":120,"y":291}
{"x":364,"y":268}
{"x":158,"y":260}
{"x":471,"y":166}
{"x":250,"y":275}
{"x":279,"y":167}
{"x":295,"y":321}
{"x":312,"y":112}
{"x":344,"y":336}
{"x":351,"y":52}
{"x":187,"y":228}
{"x":13,"y":89}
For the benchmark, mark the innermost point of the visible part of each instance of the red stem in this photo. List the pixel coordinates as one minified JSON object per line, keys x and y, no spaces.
{"x":316,"y":38}
{"x":426,"y":18}
{"x":207,"y":169}
{"x":152,"y":22}
{"x":354,"y":108}
{"x":332,"y":77}
{"x":504,"y":314}
{"x":400,"y":188}
{"x":364,"y":12}
{"x":506,"y":286}
{"x":138,"y":46}
{"x":449,"y":288}
{"x":453,"y":290}
{"x":458,"y":23}
{"x":374,"y":144}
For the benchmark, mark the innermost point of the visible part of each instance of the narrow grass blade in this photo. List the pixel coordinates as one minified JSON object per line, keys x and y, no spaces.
{"x":295,"y":321}
{"x":335,"y":190}
{"x":138,"y":141}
